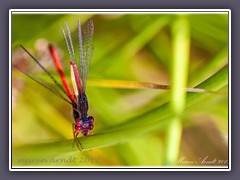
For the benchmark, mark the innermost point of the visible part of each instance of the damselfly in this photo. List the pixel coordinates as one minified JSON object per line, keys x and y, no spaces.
{"x":79,"y":67}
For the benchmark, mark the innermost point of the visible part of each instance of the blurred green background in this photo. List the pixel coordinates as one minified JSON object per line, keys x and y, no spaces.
{"x":131,"y":125}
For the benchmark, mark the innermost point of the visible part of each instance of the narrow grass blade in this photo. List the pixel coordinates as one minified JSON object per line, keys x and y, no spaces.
{"x":156,"y":119}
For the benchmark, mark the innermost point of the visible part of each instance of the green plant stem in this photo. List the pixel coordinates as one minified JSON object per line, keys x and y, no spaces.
{"x":181,"y":46}
{"x":173,"y":141}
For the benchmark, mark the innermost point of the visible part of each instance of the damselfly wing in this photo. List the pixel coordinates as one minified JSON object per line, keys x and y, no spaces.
{"x":79,"y":68}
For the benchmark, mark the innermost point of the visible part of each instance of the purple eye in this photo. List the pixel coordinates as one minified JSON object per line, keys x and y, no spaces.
{"x":91,"y":119}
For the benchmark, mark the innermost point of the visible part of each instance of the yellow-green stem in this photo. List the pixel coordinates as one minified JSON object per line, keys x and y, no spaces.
{"x":181,"y":46}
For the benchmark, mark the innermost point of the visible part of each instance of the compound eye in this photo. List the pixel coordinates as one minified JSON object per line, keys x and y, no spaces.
{"x":77,"y":128}
{"x":91,"y":126}
{"x":91,"y":119}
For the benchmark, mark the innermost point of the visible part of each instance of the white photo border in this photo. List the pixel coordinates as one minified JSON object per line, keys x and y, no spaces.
{"x":118,"y":11}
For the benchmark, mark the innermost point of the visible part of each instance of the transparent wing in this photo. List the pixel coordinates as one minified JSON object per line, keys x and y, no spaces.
{"x":85,"y":47}
{"x":85,"y":37}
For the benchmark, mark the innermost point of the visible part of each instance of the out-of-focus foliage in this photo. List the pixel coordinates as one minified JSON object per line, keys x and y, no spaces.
{"x":130,"y":124}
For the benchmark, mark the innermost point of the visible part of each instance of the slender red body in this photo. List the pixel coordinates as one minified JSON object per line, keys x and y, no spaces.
{"x":58,"y":66}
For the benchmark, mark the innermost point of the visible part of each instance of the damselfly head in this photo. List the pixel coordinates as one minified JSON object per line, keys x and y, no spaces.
{"x":85,"y":126}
